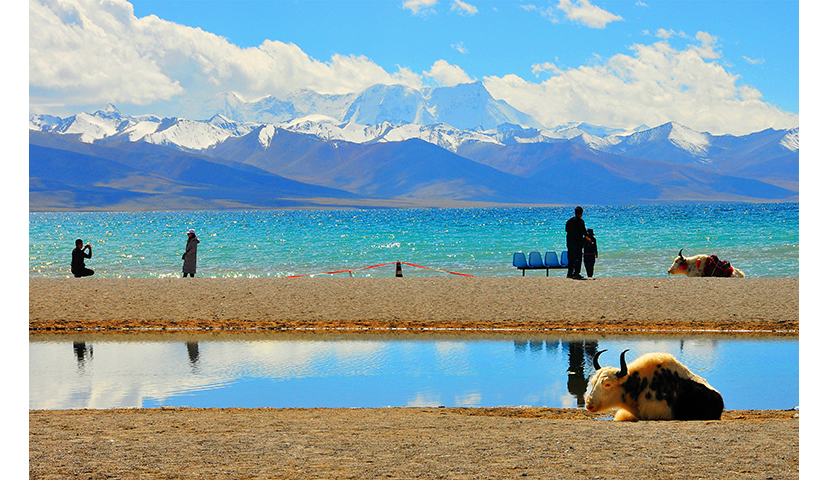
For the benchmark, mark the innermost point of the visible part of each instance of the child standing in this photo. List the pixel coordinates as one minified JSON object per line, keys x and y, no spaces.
{"x":590,"y":252}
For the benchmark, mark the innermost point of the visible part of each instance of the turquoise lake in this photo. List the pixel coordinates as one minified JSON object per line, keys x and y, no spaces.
{"x":760,"y":239}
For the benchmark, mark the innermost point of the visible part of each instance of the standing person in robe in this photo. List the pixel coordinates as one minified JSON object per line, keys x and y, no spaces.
{"x":190,"y":256}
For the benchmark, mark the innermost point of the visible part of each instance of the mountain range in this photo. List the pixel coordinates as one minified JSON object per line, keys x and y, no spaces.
{"x":390,"y":145}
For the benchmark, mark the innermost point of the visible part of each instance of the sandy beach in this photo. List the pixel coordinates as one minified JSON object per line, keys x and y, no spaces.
{"x":322,"y":303}
{"x":410,"y":442}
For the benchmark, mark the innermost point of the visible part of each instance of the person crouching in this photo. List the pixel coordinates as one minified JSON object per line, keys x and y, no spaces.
{"x":79,"y":256}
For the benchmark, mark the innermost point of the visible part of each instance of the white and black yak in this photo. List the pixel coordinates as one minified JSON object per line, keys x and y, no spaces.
{"x":655,"y":386}
{"x":703,"y":266}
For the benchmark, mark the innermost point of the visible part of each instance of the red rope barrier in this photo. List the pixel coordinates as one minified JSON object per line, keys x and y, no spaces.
{"x":379,"y":265}
{"x":438,"y":270}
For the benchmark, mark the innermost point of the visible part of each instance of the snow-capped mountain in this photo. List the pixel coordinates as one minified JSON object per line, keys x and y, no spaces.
{"x":671,"y":141}
{"x":465,"y":106}
{"x":89,"y":127}
{"x":449,"y":117}
{"x":158,"y":163}
{"x":109,"y":125}
{"x":298,"y":104}
{"x":454,"y":143}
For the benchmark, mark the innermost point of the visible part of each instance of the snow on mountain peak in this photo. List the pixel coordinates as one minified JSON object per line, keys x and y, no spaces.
{"x":110,"y":108}
{"x":219,"y":119}
{"x":314,"y":118}
{"x":691,"y":141}
{"x":266,"y":135}
{"x":449,"y":117}
{"x":93,"y":127}
{"x":791,"y":140}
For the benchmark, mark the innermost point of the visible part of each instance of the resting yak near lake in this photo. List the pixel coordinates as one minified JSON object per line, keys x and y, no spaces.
{"x":655,"y":386}
{"x":703,"y":266}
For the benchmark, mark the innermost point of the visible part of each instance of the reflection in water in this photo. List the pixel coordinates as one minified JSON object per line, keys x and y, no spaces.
{"x":364,"y":371}
{"x":192,"y":353}
{"x":580,"y":354}
{"x":81,"y":352}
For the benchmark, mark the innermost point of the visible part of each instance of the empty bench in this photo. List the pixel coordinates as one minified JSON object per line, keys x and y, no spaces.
{"x":536,"y":262}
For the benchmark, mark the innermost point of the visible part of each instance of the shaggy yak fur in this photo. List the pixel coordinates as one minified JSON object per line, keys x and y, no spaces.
{"x":655,"y":386}
{"x":703,"y":266}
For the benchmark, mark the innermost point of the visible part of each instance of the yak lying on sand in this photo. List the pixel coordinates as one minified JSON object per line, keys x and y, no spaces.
{"x":655,"y":386}
{"x":703,"y":266}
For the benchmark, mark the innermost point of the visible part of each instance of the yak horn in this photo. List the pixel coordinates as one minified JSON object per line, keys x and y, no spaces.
{"x":680,"y":253}
{"x":595,"y":360}
{"x":623,"y":372}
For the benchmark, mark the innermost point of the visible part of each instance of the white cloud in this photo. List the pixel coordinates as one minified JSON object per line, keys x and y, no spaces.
{"x":665,"y":34}
{"x":654,"y":85}
{"x":707,"y":49}
{"x":89,"y":52}
{"x":547,"y":13}
{"x":587,"y":13}
{"x":460,"y":47}
{"x":420,"y":7}
{"x":463,"y":7}
{"x":754,"y":61}
{"x":448,"y":75}
{"x":545,"y":67}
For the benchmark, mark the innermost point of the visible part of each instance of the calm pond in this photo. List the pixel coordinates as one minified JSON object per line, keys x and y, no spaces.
{"x":108,"y":371}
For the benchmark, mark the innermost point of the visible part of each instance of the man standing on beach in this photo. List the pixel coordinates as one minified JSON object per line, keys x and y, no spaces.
{"x":78,"y":255}
{"x":575,"y":232}
{"x":190,"y":254}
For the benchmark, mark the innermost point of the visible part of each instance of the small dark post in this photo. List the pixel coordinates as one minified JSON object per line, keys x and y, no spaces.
{"x":399,"y":270}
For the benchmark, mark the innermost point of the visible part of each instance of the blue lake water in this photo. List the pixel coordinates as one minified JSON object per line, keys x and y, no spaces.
{"x":760,"y":239}
{"x":110,"y":371}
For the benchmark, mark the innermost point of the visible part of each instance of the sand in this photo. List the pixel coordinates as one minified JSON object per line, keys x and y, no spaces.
{"x":405,"y":443}
{"x":410,"y":442}
{"x":489,"y":303}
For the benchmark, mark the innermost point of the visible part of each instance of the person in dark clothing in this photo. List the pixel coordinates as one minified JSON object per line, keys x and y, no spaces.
{"x":575,"y":233}
{"x":78,"y":256}
{"x":590,"y":252}
{"x":190,"y":256}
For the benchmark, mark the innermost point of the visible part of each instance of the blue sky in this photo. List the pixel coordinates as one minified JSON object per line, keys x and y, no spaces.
{"x":717,"y":66}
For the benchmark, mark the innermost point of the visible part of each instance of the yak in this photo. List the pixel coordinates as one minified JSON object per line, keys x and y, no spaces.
{"x":703,"y":266}
{"x":655,"y":386}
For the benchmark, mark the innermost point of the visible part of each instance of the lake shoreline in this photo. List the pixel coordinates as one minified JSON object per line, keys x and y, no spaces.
{"x":614,"y":305}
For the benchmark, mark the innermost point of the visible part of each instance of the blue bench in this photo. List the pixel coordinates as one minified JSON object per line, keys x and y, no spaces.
{"x":536,"y":262}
